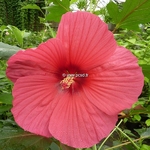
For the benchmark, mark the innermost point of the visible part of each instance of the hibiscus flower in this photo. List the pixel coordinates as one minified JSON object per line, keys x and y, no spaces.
{"x":72,"y":87}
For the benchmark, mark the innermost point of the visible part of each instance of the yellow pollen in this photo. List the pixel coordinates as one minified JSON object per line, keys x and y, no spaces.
{"x":66,"y":82}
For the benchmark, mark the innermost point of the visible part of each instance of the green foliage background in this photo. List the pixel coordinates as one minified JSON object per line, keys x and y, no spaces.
{"x":12,"y":14}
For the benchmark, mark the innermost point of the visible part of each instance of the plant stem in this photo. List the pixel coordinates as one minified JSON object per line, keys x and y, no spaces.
{"x":91,"y":5}
{"x":94,"y":147}
{"x":128,"y":138}
{"x":110,"y":135}
{"x":117,"y":26}
{"x":126,"y":143}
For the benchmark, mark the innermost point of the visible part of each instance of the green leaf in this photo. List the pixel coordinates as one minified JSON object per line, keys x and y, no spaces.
{"x":139,"y":111}
{"x":17,"y":33}
{"x":132,"y":41}
{"x":57,"y":9}
{"x":137,"y":117}
{"x":14,"y":139}
{"x":146,"y":133}
{"x":141,"y":132}
{"x":148,"y":122}
{"x":7,"y":50}
{"x":25,"y":34}
{"x":128,"y":132}
{"x":73,"y":1}
{"x":32,"y":6}
{"x":145,"y":147}
{"x":54,"y":146}
{"x":6,"y":98}
{"x":2,"y":74}
{"x":131,"y":14}
{"x":113,"y":11}
{"x":4,"y":108}
{"x":3,"y":27}
{"x":146,"y":70}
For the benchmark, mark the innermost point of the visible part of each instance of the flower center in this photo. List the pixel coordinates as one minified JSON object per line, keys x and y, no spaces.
{"x":66,"y":82}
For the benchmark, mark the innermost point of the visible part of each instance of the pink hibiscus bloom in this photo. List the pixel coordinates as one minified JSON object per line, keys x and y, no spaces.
{"x":72,"y":87}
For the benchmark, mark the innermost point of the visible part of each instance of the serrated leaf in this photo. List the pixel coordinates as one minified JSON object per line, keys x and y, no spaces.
{"x":6,"y":98}
{"x":57,"y":9}
{"x":131,"y":14}
{"x":7,"y":50}
{"x":21,"y":140}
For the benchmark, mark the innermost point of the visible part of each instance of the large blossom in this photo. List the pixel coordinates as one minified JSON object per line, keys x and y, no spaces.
{"x":73,"y":86}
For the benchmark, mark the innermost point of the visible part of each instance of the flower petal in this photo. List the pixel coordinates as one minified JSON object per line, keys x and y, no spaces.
{"x":77,"y":123}
{"x":32,"y":104}
{"x":116,"y":84}
{"x":47,"y":58}
{"x":87,"y":39}
{"x":40,"y":106}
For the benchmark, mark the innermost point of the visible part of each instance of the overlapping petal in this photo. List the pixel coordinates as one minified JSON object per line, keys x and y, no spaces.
{"x":41,"y":107}
{"x":47,"y":58}
{"x":116,"y":84}
{"x":87,"y":39}
{"x":79,"y":124}
{"x":33,"y":102}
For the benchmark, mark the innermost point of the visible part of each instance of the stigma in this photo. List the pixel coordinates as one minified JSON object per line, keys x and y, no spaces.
{"x":66,"y":82}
